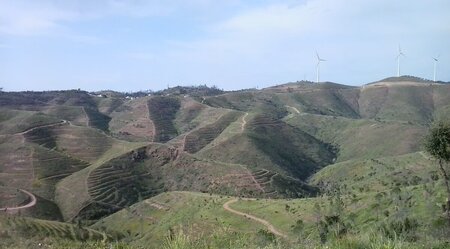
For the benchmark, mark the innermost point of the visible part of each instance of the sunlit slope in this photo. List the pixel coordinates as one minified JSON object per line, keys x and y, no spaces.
{"x":131,"y":121}
{"x":406,"y":101}
{"x":17,"y":121}
{"x":83,"y":143}
{"x":380,"y":174}
{"x":360,"y":138}
{"x":149,"y":221}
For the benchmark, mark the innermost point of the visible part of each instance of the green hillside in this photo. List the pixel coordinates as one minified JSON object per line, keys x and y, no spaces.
{"x":318,"y":165}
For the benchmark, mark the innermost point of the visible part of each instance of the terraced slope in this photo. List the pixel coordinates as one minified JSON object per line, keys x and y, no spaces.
{"x":131,"y":121}
{"x":187,"y":117}
{"x":29,"y":227}
{"x":80,"y":142}
{"x":16,"y":121}
{"x":122,"y":182}
{"x":273,"y":145}
{"x":51,"y":166}
{"x":16,"y":167}
{"x":199,"y":138}
{"x":294,"y":151}
{"x":162,"y":112}
{"x":72,"y":193}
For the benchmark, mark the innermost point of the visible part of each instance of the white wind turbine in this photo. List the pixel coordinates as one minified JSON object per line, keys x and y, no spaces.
{"x":400,"y":54}
{"x":318,"y":66}
{"x":435,"y":59}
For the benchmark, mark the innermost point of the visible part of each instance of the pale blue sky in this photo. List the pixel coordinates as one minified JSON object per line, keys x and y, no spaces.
{"x":137,"y":45}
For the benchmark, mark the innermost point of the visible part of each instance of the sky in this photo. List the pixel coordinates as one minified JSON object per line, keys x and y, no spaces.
{"x":234,"y":44}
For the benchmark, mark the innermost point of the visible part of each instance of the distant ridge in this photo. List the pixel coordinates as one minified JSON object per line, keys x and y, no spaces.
{"x":408,"y":78}
{"x":309,"y":84}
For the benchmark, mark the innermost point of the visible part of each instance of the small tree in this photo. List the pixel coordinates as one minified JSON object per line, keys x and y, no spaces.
{"x":437,"y":144}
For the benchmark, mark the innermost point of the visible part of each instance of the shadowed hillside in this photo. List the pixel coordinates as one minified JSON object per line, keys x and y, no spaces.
{"x":162,"y":113}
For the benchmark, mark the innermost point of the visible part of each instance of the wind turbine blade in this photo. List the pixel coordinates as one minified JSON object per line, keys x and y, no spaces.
{"x":317,"y":54}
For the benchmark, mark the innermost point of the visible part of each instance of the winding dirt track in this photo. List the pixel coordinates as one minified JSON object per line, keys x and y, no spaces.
{"x":28,"y":205}
{"x":295,"y":109}
{"x":269,"y":226}
{"x":244,"y":122}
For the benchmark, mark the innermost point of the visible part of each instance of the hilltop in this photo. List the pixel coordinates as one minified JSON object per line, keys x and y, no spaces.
{"x":96,"y":162}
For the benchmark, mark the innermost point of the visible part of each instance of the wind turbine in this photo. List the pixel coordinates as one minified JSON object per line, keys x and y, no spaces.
{"x":435,"y":59}
{"x":318,"y":66}
{"x":400,"y":54}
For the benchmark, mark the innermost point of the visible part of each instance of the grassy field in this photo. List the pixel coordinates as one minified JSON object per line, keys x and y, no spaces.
{"x":361,"y":138}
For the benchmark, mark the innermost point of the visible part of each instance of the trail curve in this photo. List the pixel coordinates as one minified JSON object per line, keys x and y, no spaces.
{"x":269,"y":226}
{"x":28,"y":205}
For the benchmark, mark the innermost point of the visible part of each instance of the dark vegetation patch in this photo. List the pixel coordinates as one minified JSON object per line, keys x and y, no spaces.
{"x":162,"y":112}
{"x":97,"y":120}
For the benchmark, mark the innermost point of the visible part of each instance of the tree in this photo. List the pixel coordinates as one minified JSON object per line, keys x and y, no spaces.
{"x":437,"y":144}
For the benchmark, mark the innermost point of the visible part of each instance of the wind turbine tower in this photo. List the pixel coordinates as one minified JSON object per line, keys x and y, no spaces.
{"x":318,"y":66}
{"x":435,"y":59}
{"x":400,"y":54}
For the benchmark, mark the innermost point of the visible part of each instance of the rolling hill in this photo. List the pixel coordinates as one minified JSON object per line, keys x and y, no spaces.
{"x":131,"y":167}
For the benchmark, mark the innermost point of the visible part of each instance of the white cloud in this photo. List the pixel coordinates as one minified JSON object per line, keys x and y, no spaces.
{"x":29,"y":17}
{"x":279,"y":39}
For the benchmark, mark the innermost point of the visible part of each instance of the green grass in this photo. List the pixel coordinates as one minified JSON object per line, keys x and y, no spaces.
{"x":31,"y":227}
{"x":194,"y":213}
{"x":379,"y":174}
{"x":74,"y":114}
{"x":15,"y":121}
{"x":360,"y":138}
{"x":194,"y":220}
{"x":10,"y":197}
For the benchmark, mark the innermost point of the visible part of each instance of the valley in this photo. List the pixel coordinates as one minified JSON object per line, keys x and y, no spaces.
{"x":302,"y":163}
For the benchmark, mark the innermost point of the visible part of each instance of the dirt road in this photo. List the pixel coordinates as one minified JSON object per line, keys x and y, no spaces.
{"x":244,"y":122}
{"x":269,"y":226}
{"x":28,"y":205}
